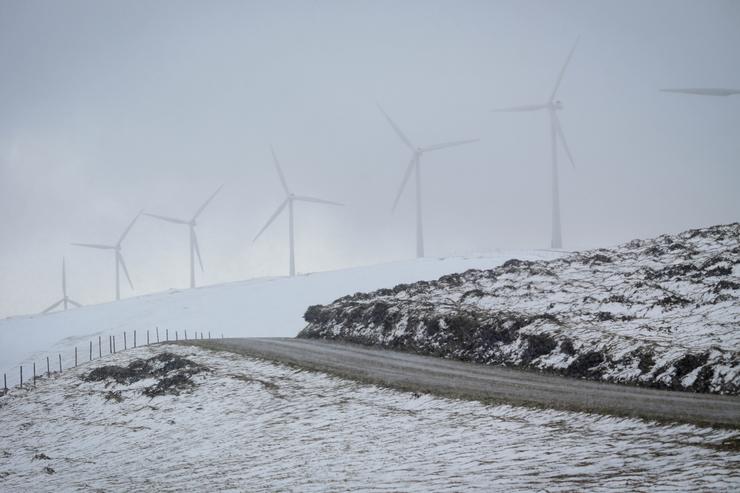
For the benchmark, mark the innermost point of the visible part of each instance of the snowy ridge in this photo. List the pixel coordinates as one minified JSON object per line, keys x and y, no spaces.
{"x":662,"y":313}
{"x":267,"y":307}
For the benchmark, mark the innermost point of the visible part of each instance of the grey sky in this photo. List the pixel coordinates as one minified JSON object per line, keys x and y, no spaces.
{"x":107,"y":108}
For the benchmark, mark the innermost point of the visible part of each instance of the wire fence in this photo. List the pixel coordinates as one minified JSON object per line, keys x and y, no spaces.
{"x":93,"y":351}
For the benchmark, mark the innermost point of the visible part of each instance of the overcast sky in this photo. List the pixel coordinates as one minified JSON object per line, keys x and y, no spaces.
{"x":107,"y":108}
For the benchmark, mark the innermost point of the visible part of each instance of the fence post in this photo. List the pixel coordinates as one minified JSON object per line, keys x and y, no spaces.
{"x":167,"y":335}
{"x":114,"y":344}
{"x":90,"y":350}
{"x":110,"y":344}
{"x":209,"y":334}
{"x":5,"y":382}
{"x":147,"y":337}
{"x":48,"y":370}
{"x":75,"y":356}
{"x":157,"y":333}
{"x":60,"y":363}
{"x":21,"y":376}
{"x":186,"y":334}
{"x":100,"y":347}
{"x":222,"y":335}
{"x":134,"y":339}
{"x":34,"y":373}
{"x":125,"y":347}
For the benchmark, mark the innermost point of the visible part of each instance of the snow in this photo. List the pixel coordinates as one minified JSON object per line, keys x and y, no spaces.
{"x":251,"y":425}
{"x":647,"y":312}
{"x":268,"y":307}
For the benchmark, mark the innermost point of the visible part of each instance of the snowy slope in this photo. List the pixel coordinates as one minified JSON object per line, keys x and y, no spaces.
{"x":261,"y":307}
{"x":663,"y":312}
{"x":249,"y":425}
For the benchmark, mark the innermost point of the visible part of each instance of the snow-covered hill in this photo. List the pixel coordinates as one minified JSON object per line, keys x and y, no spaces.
{"x":261,"y":307}
{"x":251,"y":425}
{"x":663,"y":312}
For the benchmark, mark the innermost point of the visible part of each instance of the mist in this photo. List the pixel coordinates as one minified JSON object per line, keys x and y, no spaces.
{"x":110,"y":108}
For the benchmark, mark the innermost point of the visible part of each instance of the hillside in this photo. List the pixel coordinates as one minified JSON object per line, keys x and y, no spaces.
{"x":261,"y":307}
{"x":663,"y":312}
{"x":242,"y":424}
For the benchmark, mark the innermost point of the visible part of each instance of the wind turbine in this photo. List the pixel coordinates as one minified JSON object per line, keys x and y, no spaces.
{"x":290,"y":198}
{"x":706,"y":91}
{"x":119,"y":257}
{"x":66,"y":300}
{"x":415,"y":167}
{"x":193,"y":237}
{"x":553,"y":105}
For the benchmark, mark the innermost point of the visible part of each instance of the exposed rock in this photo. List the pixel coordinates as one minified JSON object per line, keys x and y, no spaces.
{"x":173,"y":372}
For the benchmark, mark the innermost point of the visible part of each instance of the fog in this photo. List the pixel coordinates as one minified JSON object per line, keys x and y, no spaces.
{"x":108,"y":108}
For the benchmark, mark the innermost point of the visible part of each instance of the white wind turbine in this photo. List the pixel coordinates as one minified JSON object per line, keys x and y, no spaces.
{"x":194,"y":249}
{"x":552,"y":106}
{"x":415,"y":167}
{"x":706,"y":91}
{"x":66,"y":300}
{"x":119,"y":257}
{"x":290,"y":198}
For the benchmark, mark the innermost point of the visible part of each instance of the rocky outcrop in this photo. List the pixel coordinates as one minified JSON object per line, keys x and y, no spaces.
{"x":663,"y":312}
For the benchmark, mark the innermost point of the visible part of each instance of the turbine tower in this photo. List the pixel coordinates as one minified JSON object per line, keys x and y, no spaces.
{"x":706,"y":91}
{"x":553,"y":105}
{"x":414,"y":167}
{"x":290,"y":198}
{"x":194,"y":249}
{"x":66,"y":300}
{"x":119,"y":257}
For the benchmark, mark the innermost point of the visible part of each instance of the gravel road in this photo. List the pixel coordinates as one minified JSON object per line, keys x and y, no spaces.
{"x":485,"y":383}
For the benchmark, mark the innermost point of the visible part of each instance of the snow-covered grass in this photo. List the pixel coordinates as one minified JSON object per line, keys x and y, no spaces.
{"x":269,"y":307}
{"x":663,"y":312}
{"x":251,"y":425}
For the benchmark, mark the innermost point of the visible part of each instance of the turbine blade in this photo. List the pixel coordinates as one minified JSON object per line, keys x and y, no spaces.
{"x":197,"y":250}
{"x":406,"y":176}
{"x":165,"y":218}
{"x":397,"y":129}
{"x":125,"y":270}
{"x":561,"y":135}
{"x":526,"y":107}
{"x":272,"y":218}
{"x":205,"y":204}
{"x":305,"y":198}
{"x":131,"y":225}
{"x":436,"y":147}
{"x":705,"y":91}
{"x":52,"y":307}
{"x":280,"y":171}
{"x":91,"y":245}
{"x":78,"y":305}
{"x":562,"y":71}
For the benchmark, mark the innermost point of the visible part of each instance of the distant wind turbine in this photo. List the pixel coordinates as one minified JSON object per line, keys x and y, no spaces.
{"x":415,"y":167}
{"x":66,"y":300}
{"x":552,"y":106}
{"x":290,"y":198}
{"x":119,"y":257}
{"x":194,"y":249}
{"x":706,"y":91}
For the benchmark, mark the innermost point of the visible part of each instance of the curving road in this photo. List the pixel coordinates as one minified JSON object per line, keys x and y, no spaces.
{"x":485,"y":383}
